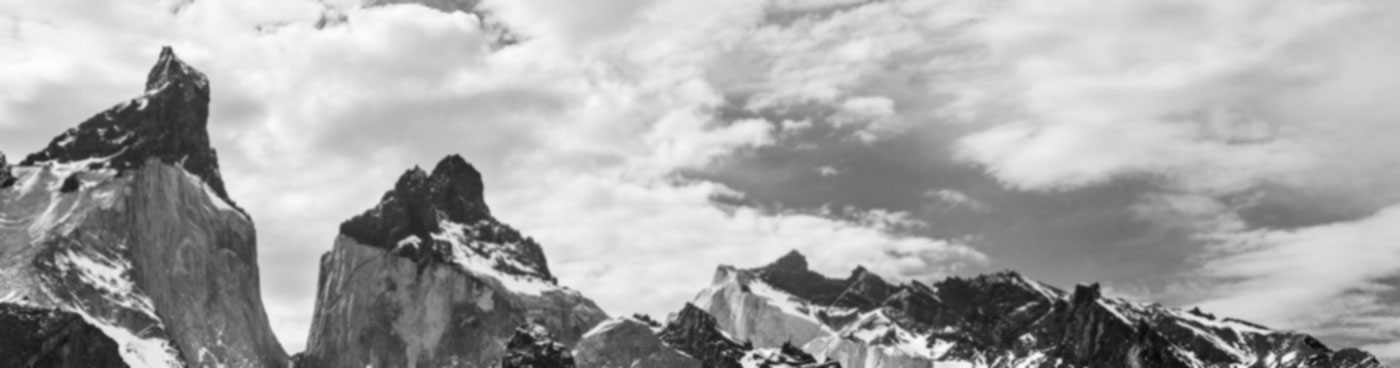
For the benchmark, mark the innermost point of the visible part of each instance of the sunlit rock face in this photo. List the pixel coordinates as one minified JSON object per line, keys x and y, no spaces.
{"x":121,"y":227}
{"x":428,"y":278}
{"x":999,"y":320}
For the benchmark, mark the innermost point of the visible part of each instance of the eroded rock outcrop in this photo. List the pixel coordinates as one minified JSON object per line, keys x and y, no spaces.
{"x":428,"y":278}
{"x":534,"y":347}
{"x":124,"y":223}
{"x":697,"y":334}
{"x":998,"y":320}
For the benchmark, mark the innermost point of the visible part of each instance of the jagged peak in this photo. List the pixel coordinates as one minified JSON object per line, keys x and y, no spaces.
{"x":697,"y":333}
{"x":691,"y":324}
{"x":457,"y":190}
{"x":862,"y":275}
{"x":442,"y":217}
{"x":171,"y":71}
{"x":458,"y":171}
{"x":792,"y":261}
{"x":167,"y":123}
{"x":690,"y":314}
{"x":1086,"y":293}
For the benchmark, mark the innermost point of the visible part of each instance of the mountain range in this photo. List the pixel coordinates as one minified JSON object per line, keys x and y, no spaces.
{"x":120,"y":247}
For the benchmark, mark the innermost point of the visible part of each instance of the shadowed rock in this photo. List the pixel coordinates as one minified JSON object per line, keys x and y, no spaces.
{"x":35,"y":337}
{"x":421,"y":205}
{"x":697,"y":334}
{"x":168,"y":123}
{"x":534,"y":347}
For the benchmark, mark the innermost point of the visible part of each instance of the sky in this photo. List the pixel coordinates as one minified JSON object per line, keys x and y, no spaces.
{"x":1237,"y":156}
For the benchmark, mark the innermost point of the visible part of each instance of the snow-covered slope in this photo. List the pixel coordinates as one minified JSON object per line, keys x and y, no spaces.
{"x":428,"y":278}
{"x":999,"y":320}
{"x":123,"y":223}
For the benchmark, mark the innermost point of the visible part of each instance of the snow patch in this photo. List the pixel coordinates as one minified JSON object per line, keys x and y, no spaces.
{"x":409,"y":241}
{"x":110,"y":276}
{"x":218,"y":202}
{"x":605,"y":326}
{"x":137,"y":351}
{"x":785,"y":302}
{"x":1223,"y":324}
{"x":1035,"y":359}
{"x":1114,"y":311}
{"x":480,"y":258}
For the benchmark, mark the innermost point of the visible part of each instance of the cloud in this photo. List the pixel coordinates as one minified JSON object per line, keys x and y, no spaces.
{"x":1196,"y":116}
{"x":1327,"y":278}
{"x":1239,"y":114}
{"x":671,"y":227}
{"x":578,"y":130}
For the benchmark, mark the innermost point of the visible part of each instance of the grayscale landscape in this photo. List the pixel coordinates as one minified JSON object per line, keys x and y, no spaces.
{"x":716,"y":184}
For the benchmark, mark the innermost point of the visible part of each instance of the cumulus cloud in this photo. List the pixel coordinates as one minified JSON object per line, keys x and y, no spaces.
{"x":669,"y":228}
{"x":1230,"y":110}
{"x":1327,"y":278}
{"x":580,"y":129}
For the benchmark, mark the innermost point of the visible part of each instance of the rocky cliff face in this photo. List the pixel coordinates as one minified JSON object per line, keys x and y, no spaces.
{"x":1000,"y":320}
{"x":119,"y":234}
{"x":428,"y":278}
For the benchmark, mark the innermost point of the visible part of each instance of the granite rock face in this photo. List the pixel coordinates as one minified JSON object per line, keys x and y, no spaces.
{"x":123,"y":222}
{"x":999,"y":320}
{"x":429,"y":278}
